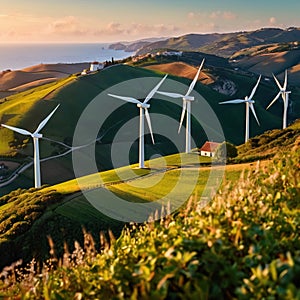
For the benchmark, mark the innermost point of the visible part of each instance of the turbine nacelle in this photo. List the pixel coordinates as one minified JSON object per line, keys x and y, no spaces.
{"x":188,"y":98}
{"x":143,"y":105}
{"x":37,"y":135}
{"x":249,"y":100}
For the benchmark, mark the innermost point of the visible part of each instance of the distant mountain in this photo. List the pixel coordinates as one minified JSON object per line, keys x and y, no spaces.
{"x":225,"y":44}
{"x":270,"y":58}
{"x":134,"y":46}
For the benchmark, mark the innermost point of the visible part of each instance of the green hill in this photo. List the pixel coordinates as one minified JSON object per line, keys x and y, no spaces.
{"x":243,"y":245}
{"x":77,"y":92}
{"x":61,"y":211}
{"x":271,"y":143}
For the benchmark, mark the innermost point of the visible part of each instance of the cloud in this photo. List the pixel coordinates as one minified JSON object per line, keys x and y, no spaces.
{"x":191,"y":15}
{"x":223,"y":15}
{"x":67,"y":25}
{"x":136,"y":30}
{"x":111,"y":29}
{"x":272,"y":21}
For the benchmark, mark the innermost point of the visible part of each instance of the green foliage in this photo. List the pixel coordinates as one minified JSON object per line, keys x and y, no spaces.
{"x":243,"y":245}
{"x":225,"y":151}
{"x":270,"y":143}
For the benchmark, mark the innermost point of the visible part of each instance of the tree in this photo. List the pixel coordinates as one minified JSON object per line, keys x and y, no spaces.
{"x":225,"y":152}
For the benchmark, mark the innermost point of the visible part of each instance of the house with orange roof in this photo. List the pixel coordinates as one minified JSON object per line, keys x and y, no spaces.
{"x":209,"y":149}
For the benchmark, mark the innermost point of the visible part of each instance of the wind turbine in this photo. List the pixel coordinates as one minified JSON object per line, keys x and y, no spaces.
{"x":285,"y":96}
{"x":249,"y":104}
{"x":143,"y":106}
{"x":36,"y":135}
{"x":186,"y":108}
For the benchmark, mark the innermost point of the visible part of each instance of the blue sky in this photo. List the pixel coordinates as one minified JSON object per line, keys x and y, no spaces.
{"x":115,"y":20}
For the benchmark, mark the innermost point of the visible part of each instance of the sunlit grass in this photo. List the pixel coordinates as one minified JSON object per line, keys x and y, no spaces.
{"x":13,"y":110}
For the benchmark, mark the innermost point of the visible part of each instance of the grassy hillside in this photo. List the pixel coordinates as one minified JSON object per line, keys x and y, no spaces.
{"x":21,"y":80}
{"x":19,"y":110}
{"x":271,"y":143}
{"x":270,"y":58}
{"x":75,"y":93}
{"x":243,"y":245}
{"x":61,"y":211}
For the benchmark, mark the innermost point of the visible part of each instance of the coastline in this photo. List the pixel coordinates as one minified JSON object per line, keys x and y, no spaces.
{"x":20,"y":56}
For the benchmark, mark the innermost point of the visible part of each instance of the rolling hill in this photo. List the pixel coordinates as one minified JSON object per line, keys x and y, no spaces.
{"x":12,"y":82}
{"x":76,"y":93}
{"x":271,"y":58}
{"x":180,"y":69}
{"x":224,"y":44}
{"x":62,"y":211}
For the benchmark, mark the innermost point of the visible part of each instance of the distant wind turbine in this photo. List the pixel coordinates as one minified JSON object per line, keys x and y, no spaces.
{"x":186,"y":108}
{"x":36,"y":135}
{"x":143,"y":106}
{"x":249,"y":104}
{"x":285,"y":96}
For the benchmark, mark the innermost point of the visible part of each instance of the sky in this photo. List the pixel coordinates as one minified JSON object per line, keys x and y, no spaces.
{"x":117,"y":20}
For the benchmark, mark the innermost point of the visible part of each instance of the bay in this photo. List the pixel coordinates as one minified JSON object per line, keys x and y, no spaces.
{"x":19,"y":56}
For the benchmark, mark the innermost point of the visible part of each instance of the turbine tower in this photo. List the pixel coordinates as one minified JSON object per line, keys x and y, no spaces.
{"x":249,"y":104}
{"x":186,"y":108}
{"x":143,"y":106}
{"x":285,"y":96}
{"x":36,"y":135}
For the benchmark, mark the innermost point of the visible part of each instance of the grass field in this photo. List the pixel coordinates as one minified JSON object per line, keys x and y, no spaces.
{"x":19,"y":110}
{"x":75,"y":94}
{"x":172,"y":183}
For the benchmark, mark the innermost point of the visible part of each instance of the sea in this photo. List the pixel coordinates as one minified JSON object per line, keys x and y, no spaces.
{"x":19,"y":56}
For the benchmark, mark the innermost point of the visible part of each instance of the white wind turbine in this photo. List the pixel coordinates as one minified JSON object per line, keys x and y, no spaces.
{"x":36,"y":135}
{"x":143,"y":106}
{"x":249,"y":104}
{"x":186,"y":107}
{"x":285,"y":96}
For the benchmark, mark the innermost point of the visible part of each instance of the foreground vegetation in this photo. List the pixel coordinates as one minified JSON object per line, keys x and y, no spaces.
{"x":243,"y":245}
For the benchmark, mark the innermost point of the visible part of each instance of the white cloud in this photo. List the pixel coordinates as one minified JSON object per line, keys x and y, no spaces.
{"x":223,"y":15}
{"x":272,"y":21}
{"x":135,"y":30}
{"x":191,"y":15}
{"x":67,"y":25}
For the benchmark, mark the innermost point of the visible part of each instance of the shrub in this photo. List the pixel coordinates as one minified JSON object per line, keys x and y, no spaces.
{"x":225,"y":152}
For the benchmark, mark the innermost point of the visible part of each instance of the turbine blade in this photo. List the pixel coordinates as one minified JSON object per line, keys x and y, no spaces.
{"x":192,"y":85}
{"x":277,"y":96}
{"x":233,"y":101}
{"x":154,"y":90}
{"x":285,"y":80}
{"x":44,"y":122}
{"x":149,"y":124}
{"x":172,"y":95}
{"x":254,"y":89}
{"x":253,"y":111}
{"x":277,"y":82}
{"x":182,"y":115}
{"x":127,"y":99}
{"x":19,"y":130}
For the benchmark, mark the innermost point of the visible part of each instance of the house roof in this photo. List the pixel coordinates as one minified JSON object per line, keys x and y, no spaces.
{"x":209,"y":146}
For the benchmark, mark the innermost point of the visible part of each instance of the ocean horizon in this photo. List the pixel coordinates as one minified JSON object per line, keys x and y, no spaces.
{"x":19,"y":56}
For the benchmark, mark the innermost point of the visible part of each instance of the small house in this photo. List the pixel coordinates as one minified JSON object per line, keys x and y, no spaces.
{"x":209,"y":149}
{"x":95,"y":66}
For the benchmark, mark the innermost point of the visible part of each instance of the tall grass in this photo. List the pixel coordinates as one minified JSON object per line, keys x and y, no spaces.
{"x":243,"y":245}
